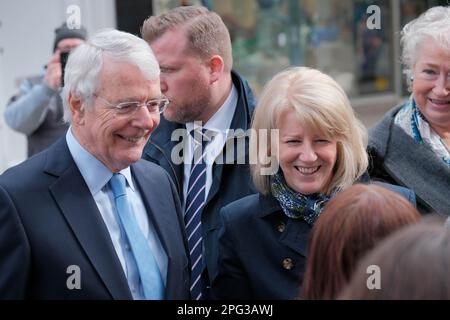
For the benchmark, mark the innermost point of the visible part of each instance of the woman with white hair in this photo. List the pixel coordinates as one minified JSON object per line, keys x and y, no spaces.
{"x":410,"y":146}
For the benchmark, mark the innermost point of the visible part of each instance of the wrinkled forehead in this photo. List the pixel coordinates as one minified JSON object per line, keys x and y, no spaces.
{"x":124,"y":80}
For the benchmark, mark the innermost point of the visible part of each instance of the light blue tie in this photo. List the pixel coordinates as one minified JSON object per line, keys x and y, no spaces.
{"x":151,"y":280}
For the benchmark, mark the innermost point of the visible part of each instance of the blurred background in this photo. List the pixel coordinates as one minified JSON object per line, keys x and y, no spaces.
{"x":267,"y":36}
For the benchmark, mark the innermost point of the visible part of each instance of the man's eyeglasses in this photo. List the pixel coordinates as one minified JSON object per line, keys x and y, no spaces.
{"x":128,"y":108}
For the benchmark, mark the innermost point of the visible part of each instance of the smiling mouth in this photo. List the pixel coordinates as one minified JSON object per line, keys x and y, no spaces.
{"x":307,"y":171}
{"x":131,"y":139}
{"x":439,"y":101}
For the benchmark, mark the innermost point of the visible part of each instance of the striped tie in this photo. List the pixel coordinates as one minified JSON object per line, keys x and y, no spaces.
{"x":195,"y":200}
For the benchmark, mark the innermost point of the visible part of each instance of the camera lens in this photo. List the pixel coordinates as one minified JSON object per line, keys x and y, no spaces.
{"x":63,"y":56}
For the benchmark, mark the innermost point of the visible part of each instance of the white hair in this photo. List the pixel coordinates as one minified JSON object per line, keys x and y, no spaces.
{"x":433,"y":23}
{"x":86,"y":61}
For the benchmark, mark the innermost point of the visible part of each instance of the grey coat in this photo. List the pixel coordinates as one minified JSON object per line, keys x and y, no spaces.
{"x":38,"y":112}
{"x":396,"y":158}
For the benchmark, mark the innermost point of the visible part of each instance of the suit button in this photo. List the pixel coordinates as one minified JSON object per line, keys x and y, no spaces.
{"x":281,"y":227}
{"x":288,"y":264}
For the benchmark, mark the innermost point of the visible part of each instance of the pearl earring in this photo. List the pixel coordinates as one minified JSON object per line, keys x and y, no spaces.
{"x":410,"y":84}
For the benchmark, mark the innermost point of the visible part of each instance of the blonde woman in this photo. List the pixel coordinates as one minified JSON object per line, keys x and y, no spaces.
{"x":320,"y":150}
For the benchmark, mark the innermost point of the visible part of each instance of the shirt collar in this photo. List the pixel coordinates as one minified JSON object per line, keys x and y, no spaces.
{"x":94,"y":172}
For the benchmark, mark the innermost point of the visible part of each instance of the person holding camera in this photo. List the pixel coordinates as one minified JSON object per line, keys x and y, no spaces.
{"x":37,"y":110}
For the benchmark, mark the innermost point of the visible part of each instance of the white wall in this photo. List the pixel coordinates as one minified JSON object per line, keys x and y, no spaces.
{"x":26,"y":38}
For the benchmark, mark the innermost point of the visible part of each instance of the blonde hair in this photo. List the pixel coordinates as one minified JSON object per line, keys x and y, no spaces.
{"x":205,"y":31}
{"x":321,"y":105}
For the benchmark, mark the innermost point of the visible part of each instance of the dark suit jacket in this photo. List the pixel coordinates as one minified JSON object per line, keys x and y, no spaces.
{"x":230,"y":181}
{"x":49,"y":221}
{"x":262,"y":252}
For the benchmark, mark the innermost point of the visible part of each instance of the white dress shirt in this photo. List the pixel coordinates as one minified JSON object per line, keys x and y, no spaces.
{"x":219,"y":124}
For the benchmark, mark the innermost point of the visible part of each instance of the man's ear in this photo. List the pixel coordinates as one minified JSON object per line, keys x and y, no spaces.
{"x":76,"y":106}
{"x":216,"y":66}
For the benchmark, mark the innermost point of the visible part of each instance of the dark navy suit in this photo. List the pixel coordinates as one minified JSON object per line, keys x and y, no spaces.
{"x":49,"y":221}
{"x":262,"y":251}
{"x":230,"y":181}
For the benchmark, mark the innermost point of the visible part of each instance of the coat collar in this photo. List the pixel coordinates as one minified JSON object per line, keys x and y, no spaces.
{"x":159,"y":148}
{"x":410,"y":163}
{"x":267,"y":205}
{"x":379,"y":135}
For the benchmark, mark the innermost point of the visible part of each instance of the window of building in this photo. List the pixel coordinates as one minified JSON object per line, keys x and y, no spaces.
{"x":339,"y":37}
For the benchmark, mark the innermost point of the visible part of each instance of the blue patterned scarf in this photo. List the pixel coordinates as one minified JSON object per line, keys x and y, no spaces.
{"x":296,"y":205}
{"x":412,"y":121}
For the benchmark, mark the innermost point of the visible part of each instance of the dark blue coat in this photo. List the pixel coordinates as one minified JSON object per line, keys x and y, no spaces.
{"x":262,"y":251}
{"x":49,"y":221}
{"x":230,"y":181}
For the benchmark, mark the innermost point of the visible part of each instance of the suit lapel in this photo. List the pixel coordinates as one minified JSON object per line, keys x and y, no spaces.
{"x":81,"y":213}
{"x":234,"y":144}
{"x":176,"y":170}
{"x":217,"y":174}
{"x":159,"y":150}
{"x":152,"y":196}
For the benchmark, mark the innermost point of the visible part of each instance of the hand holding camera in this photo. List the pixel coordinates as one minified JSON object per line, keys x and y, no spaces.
{"x":54,"y":72}
{"x":54,"y":76}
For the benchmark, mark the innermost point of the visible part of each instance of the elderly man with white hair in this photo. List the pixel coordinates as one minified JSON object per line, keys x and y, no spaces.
{"x":87,"y":219}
